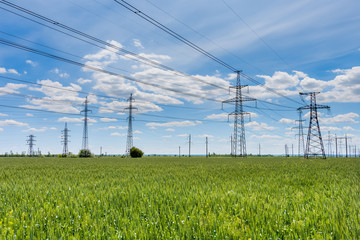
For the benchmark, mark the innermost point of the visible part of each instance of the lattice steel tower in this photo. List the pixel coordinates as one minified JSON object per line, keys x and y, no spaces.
{"x":300,"y":134}
{"x":239,"y":140}
{"x":31,"y":144}
{"x":314,"y":142}
{"x":85,"y":145}
{"x":129,"y":142}
{"x":65,"y":140}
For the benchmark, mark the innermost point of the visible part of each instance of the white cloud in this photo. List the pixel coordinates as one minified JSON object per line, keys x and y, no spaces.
{"x":170,"y":130}
{"x":266,"y":136}
{"x":83,"y":81}
{"x":108,"y":119}
{"x":348,"y":128}
{"x":11,"y":88}
{"x":341,"y":118}
{"x":331,"y":129}
{"x":57,"y":99}
{"x":137,"y":43}
{"x":9,"y":122}
{"x":60,"y":74}
{"x":137,"y":132}
{"x":217,"y":116}
{"x":3,"y":115}
{"x":259,"y":126}
{"x":183,"y":135}
{"x":33,"y":64}
{"x":117,"y":134}
{"x":75,"y":120}
{"x":4,"y":70}
{"x":204,"y":136}
{"x":29,"y":115}
{"x":114,"y":127}
{"x":167,"y":136}
{"x":174,"y":124}
{"x":43,"y":129}
{"x":286,"y":121}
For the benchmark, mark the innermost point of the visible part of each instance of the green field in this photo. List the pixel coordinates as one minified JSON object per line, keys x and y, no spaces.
{"x":181,"y":198}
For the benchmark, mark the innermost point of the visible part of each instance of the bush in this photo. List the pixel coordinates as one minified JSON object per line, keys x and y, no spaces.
{"x":136,"y":153}
{"x":85,"y":153}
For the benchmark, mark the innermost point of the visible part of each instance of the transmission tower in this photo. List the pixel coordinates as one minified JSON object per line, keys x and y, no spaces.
{"x":239,"y":134}
{"x":85,"y":145}
{"x":129,"y":142}
{"x":314,"y":143}
{"x":65,"y":140}
{"x":31,"y":144}
{"x":300,"y":134}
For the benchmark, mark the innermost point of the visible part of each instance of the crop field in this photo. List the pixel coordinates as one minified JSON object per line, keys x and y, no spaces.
{"x":179,"y":198}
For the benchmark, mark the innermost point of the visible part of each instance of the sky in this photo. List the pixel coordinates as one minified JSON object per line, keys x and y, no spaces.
{"x":284,"y":47}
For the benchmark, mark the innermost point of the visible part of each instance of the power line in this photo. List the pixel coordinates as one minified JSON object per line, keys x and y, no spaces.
{"x":257,"y":35}
{"x":188,"y":42}
{"x":117,"y":48}
{"x":39,"y":52}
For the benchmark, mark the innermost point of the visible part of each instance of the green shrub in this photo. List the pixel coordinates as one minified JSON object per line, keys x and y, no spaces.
{"x":136,"y":153}
{"x":85,"y":153}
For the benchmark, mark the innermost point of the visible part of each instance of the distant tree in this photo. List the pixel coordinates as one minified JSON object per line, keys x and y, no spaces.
{"x":85,"y":153}
{"x":136,"y":153}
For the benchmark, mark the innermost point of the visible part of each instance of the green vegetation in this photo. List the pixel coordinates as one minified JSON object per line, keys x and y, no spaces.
{"x":164,"y":197}
{"x":136,"y":153}
{"x":85,"y":153}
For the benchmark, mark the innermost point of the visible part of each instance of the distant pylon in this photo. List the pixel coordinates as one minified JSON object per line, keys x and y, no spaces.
{"x":129,"y":142}
{"x":65,"y":140}
{"x":85,"y":145}
{"x":314,"y":142}
{"x":31,"y":144}
{"x":300,"y":134}
{"x":239,"y":135}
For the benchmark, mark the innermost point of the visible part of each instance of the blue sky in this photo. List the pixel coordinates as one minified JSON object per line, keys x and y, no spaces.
{"x":288,"y":46}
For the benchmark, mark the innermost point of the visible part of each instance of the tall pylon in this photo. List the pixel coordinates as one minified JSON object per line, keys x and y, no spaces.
{"x":30,"y":141}
{"x":65,"y":140}
{"x":129,"y":142}
{"x":239,"y":140}
{"x":85,"y":144}
{"x":300,"y":134}
{"x":314,"y":142}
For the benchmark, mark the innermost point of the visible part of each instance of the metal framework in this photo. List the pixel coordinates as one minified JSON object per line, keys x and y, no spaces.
{"x":129,"y":142}
{"x":300,"y":134}
{"x":238,"y":140}
{"x":30,"y":141}
{"x":85,"y":145}
{"x":314,"y":142}
{"x":65,"y":140}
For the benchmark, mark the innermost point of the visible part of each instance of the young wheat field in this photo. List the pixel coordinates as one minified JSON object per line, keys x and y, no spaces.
{"x":179,"y":198}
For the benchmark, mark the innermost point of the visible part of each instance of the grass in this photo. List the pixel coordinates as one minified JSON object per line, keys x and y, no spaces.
{"x":168,"y":197}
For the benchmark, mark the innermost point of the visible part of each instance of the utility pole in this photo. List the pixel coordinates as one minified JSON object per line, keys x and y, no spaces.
{"x":259,"y":150}
{"x":314,"y":143}
{"x":129,"y":142}
{"x":301,"y":143}
{"x":85,"y":145}
{"x":239,"y":117}
{"x":336,"y":145}
{"x":100,"y":151}
{"x":65,"y":140}
{"x":286,"y":150}
{"x":31,"y":144}
{"x":189,"y":145}
{"x":346,"y":146}
{"x":207,"y":153}
{"x":179,"y":151}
